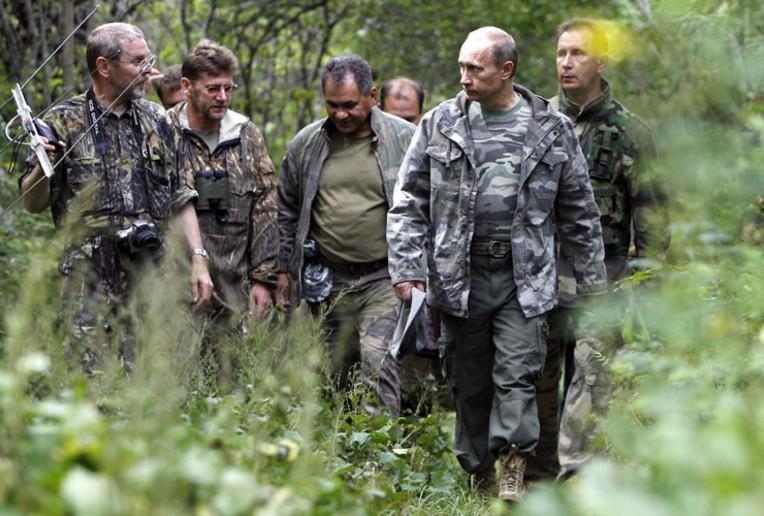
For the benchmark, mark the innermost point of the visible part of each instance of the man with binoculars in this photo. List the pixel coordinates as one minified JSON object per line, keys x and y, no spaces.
{"x":227,"y":163}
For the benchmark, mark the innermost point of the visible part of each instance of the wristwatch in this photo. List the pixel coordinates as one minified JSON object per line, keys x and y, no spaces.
{"x":200,"y":251}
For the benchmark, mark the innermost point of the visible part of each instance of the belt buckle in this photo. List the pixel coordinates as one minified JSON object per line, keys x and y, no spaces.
{"x":494,"y":249}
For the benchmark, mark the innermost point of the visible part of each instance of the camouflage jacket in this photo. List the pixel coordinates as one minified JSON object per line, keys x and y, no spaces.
{"x":300,"y":171}
{"x":133,"y":176}
{"x":618,"y":150}
{"x":98,"y":189}
{"x":434,"y":207}
{"x":242,"y":237}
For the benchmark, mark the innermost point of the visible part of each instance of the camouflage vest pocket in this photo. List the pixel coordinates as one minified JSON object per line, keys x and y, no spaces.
{"x":542,"y":186}
{"x":158,"y":189}
{"x":234,"y":220}
{"x":87,"y":182}
{"x":604,"y":195}
{"x":610,"y":202}
{"x":446,"y":164}
{"x":603,"y":152}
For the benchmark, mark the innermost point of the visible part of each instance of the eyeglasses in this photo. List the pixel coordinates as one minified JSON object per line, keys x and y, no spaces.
{"x":212,"y":89}
{"x":144,"y":63}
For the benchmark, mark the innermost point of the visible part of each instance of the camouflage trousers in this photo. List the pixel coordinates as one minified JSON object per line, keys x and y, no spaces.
{"x":96,"y":285}
{"x":494,"y":357}
{"x":359,"y":323}
{"x":224,"y":328}
{"x":598,"y":337}
{"x":546,"y":463}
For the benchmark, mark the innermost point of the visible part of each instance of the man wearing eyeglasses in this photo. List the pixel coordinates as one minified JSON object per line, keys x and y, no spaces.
{"x":227,"y":163}
{"x":114,"y":187}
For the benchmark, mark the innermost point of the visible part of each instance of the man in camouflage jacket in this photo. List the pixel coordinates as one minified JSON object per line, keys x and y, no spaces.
{"x":226,"y":161}
{"x":119,"y":174}
{"x":493,"y":291}
{"x":618,"y":149}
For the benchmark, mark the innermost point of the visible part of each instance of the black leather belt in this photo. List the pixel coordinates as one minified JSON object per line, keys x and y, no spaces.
{"x":355,"y":269}
{"x":490,"y":247}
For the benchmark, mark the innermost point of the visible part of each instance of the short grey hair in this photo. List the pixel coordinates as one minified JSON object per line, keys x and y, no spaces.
{"x":352,"y":65}
{"x":106,"y":41}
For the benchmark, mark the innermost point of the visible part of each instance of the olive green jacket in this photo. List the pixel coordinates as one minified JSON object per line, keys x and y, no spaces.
{"x":299,"y":179}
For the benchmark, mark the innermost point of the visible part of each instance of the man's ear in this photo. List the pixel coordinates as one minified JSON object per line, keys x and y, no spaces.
{"x":185,"y":84}
{"x":602,"y":63}
{"x":507,"y":70}
{"x":102,"y":67}
{"x":373,"y":95}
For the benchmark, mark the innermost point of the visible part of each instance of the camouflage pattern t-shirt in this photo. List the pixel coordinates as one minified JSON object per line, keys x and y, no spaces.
{"x":498,"y":136}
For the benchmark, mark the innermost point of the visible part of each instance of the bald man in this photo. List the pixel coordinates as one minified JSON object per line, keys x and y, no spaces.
{"x":402,"y":97}
{"x":489,"y":178}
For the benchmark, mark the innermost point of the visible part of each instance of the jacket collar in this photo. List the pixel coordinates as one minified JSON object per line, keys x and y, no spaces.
{"x":377,"y":127}
{"x":539,"y":107}
{"x":594,"y":107}
{"x":455,"y":125}
{"x":230,"y":126}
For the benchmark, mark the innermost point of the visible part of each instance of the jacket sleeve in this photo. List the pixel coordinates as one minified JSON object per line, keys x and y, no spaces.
{"x":183,"y":188}
{"x":289,"y":199}
{"x":408,"y":220}
{"x":264,"y":244}
{"x":578,"y":219}
{"x":648,"y":201}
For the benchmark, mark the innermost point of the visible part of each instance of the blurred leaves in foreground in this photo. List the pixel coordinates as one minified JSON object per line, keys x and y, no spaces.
{"x":685,"y":434}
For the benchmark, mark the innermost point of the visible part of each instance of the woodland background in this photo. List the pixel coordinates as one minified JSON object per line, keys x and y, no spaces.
{"x":685,"y":433}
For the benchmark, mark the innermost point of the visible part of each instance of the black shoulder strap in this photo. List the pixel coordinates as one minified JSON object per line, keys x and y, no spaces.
{"x":91,"y":111}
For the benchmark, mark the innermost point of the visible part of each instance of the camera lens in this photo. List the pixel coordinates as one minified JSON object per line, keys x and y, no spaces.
{"x":147,"y":239}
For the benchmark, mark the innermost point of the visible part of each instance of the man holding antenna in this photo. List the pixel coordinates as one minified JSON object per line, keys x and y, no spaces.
{"x":115,"y":184}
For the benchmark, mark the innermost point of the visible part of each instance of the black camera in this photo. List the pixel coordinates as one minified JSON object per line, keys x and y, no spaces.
{"x":140,"y":237}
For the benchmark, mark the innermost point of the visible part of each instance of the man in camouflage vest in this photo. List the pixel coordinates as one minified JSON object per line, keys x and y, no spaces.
{"x":113,"y":191}
{"x":227,"y":163}
{"x":335,"y":187}
{"x":490,"y":177}
{"x":618,"y":150}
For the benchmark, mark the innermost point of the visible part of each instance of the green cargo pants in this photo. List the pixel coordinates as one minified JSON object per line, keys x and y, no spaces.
{"x":360,"y":322}
{"x":494,"y":357}
{"x":598,"y":338}
{"x":546,"y":464}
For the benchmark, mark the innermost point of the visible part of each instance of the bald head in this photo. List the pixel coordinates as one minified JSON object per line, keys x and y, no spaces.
{"x":502,"y":45}
{"x":403,"y":97}
{"x":487,"y":63}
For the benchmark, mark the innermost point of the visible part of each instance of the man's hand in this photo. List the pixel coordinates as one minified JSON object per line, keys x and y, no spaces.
{"x":282,"y":292}
{"x":52,"y":148}
{"x":201,"y":283}
{"x":403,"y":289}
{"x":259,"y":299}
{"x":39,"y":198}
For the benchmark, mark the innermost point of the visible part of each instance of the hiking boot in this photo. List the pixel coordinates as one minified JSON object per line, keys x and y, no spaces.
{"x":511,"y":473}
{"x":484,"y":482}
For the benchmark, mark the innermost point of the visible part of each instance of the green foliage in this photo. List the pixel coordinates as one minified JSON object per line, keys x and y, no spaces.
{"x":684,"y":433}
{"x":171,"y":440}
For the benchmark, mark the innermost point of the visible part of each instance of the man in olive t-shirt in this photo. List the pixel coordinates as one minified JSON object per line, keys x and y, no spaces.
{"x":335,"y":187}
